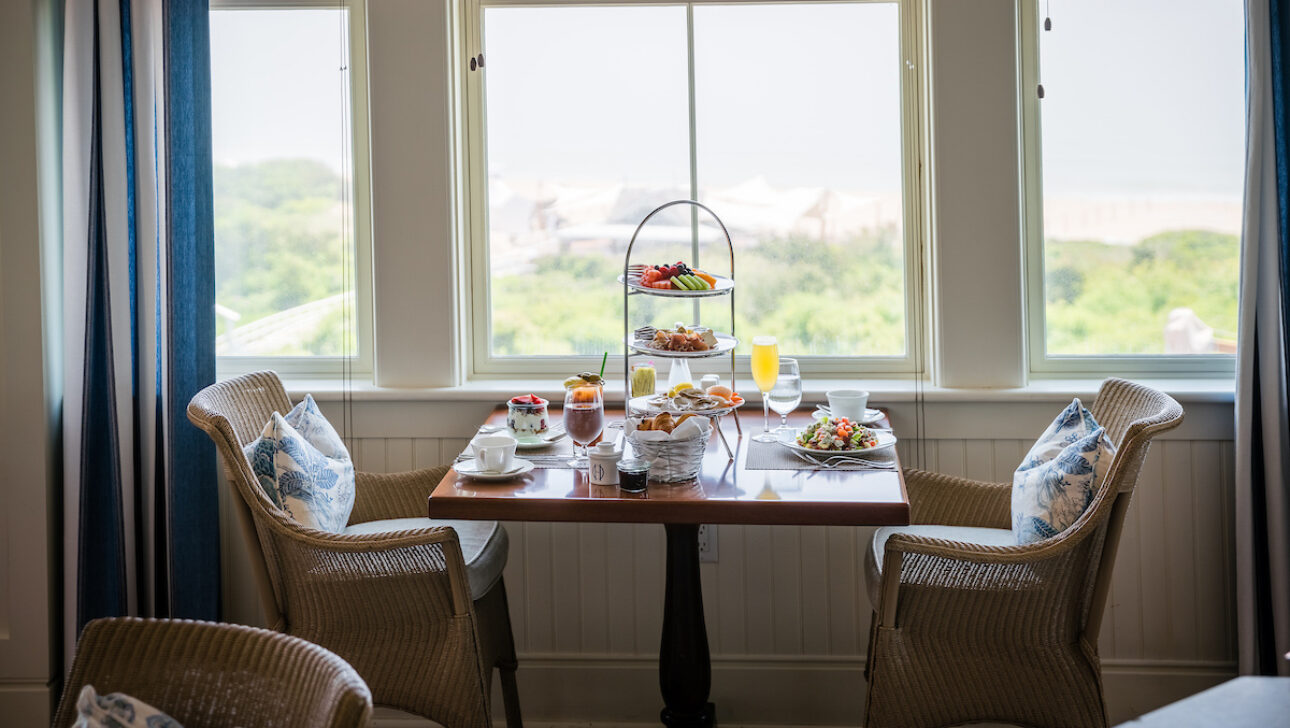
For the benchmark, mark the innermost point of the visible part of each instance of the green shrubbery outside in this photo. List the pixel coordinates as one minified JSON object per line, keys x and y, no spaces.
{"x":278,"y":247}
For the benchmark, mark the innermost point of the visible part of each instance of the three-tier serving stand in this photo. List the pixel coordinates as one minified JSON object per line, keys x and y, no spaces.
{"x":724,"y":287}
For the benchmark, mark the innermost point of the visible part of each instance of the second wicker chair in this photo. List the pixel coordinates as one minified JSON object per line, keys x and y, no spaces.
{"x":969,"y":626}
{"x":417,"y":607}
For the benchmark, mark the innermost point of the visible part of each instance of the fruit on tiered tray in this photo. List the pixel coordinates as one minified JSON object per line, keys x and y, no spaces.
{"x":677,"y":277}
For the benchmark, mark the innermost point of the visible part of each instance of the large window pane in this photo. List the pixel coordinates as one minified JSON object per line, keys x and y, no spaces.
{"x":587,"y":131}
{"x":284,"y":277}
{"x":796,"y":143}
{"x":1143,"y":149}
{"x":799,"y":149}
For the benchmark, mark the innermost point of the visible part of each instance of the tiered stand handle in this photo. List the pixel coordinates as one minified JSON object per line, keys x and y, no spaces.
{"x":628,"y":292}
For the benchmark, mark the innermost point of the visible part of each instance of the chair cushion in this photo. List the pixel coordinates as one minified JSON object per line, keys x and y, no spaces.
{"x":117,"y":710}
{"x":1059,"y":476}
{"x":962,"y":534}
{"x":303,"y":466}
{"x":484,"y":545}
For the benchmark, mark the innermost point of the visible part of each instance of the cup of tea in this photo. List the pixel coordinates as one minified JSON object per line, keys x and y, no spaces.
{"x":494,"y":452}
{"x":848,"y":403}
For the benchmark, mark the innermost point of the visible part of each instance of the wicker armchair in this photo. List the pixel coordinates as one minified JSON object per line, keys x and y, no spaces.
{"x":208,"y":675}
{"x":968,"y":628}
{"x":401,"y":606}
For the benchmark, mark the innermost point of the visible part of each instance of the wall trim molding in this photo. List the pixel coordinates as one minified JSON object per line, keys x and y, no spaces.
{"x":26,"y":702}
{"x":578,"y":691}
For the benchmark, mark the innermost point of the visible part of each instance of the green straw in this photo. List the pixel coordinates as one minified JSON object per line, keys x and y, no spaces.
{"x":603,"y":361}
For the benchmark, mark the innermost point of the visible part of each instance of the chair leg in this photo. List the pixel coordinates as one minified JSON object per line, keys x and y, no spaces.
{"x":495,"y":622}
{"x":873,"y":638}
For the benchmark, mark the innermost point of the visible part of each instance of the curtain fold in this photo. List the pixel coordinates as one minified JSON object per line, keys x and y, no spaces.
{"x":1263,"y":437}
{"x":140,"y":516}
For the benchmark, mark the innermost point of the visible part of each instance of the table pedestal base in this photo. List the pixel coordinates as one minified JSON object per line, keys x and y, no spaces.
{"x":684,"y":665}
{"x":703,"y":719}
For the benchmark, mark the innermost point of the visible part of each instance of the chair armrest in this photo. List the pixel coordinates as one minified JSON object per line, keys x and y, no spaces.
{"x":922,"y":575}
{"x":951,"y":501}
{"x":379,"y":497}
{"x":418,"y":571}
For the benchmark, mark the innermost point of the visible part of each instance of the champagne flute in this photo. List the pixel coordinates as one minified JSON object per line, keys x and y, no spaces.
{"x":765,"y":371}
{"x":584,"y":419}
{"x":786,"y":395}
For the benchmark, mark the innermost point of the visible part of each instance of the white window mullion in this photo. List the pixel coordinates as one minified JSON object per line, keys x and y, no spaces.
{"x":974,"y":187}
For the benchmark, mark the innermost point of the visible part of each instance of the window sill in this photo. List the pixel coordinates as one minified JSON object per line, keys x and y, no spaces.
{"x":882,"y":390}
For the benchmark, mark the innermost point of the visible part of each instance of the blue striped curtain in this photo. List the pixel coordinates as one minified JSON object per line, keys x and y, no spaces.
{"x":1263,"y":361}
{"x":140,"y":520}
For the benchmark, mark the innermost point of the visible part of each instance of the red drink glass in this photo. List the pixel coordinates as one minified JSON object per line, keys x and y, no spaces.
{"x":584,"y":419}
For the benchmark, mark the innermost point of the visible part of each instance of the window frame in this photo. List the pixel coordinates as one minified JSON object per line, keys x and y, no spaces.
{"x":1041,"y":364}
{"x":361,"y":363}
{"x":470,"y":165}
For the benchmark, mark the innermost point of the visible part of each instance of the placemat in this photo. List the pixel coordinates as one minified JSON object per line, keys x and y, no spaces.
{"x":773,"y":456}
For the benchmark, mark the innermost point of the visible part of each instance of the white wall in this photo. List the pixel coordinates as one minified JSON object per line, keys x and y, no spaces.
{"x":25,"y":422}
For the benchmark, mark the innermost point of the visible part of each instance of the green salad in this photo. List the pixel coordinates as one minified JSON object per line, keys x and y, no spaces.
{"x":837,"y":433}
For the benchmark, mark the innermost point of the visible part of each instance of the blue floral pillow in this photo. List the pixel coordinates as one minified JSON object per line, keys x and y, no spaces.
{"x":1060,"y":475}
{"x":117,"y":710}
{"x":304,"y":468}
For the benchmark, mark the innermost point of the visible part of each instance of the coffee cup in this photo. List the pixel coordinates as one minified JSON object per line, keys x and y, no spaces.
{"x":848,"y":403}
{"x":495,"y":452}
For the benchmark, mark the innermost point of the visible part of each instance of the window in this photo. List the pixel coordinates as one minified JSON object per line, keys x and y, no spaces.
{"x":1135,"y":174}
{"x":792,"y":121}
{"x":290,"y":212}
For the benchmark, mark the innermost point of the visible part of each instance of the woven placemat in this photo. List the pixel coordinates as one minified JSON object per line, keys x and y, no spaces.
{"x":773,"y":456}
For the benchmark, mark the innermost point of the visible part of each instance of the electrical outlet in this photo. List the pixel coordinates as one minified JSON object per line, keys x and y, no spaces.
{"x":707,"y":544}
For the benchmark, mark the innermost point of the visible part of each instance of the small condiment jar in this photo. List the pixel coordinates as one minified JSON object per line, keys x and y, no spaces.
{"x":602,"y":465}
{"x":633,"y":475}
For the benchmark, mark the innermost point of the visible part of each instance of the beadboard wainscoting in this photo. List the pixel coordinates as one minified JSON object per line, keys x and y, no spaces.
{"x":787,"y":614}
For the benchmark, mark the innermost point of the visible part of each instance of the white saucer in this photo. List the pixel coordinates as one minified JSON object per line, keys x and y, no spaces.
{"x":469,"y":469}
{"x":871,"y":415}
{"x":533,"y":443}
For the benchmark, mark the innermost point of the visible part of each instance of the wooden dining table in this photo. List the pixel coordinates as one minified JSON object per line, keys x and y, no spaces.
{"x":726,"y":491}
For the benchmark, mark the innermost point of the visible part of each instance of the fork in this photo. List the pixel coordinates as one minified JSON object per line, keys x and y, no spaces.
{"x":841,"y":460}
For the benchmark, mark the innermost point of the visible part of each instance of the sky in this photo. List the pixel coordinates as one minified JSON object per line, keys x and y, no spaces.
{"x":276,"y":85}
{"x":1151,"y":101}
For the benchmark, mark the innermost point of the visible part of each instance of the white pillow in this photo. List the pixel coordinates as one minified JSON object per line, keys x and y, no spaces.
{"x":117,"y":710}
{"x":304,"y":468}
{"x":1059,"y":476}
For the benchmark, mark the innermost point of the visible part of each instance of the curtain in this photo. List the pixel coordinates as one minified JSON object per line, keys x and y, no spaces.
{"x":1263,"y":447}
{"x":140,"y":506}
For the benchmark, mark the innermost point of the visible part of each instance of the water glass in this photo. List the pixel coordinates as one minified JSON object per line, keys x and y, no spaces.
{"x":786,"y":395}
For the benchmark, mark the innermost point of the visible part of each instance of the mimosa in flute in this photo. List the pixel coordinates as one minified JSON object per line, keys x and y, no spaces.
{"x":765,"y":370}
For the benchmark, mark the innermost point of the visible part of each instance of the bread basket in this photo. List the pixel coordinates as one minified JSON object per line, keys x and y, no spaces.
{"x":674,"y":457}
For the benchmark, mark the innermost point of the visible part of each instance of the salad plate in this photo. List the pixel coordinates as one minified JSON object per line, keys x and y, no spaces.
{"x":470,"y":469}
{"x":725,"y":344}
{"x":872,"y":440}
{"x":720,"y":288}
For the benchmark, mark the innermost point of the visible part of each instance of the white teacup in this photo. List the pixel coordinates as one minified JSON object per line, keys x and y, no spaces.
{"x":848,"y":403}
{"x":494,"y":452}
